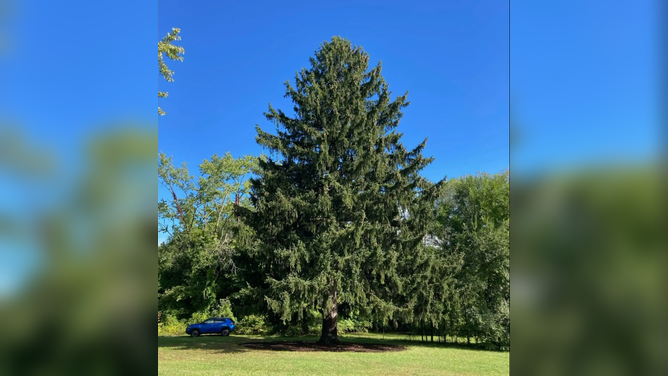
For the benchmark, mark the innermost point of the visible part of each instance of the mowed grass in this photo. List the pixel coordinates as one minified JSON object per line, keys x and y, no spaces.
{"x":216,"y":355}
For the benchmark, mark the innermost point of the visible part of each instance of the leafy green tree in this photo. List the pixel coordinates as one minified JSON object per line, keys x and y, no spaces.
{"x":197,"y":262}
{"x":171,"y":51}
{"x":474,"y":225}
{"x":341,"y":208}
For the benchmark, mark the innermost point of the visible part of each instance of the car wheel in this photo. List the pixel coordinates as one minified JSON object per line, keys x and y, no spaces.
{"x":195,"y":333}
{"x":225,"y":332}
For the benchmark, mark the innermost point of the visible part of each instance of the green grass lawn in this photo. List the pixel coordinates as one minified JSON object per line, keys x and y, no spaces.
{"x":216,"y":355}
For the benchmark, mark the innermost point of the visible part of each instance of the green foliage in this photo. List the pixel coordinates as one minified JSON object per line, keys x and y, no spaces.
{"x":474,"y":229}
{"x":171,"y":326}
{"x":166,"y":48}
{"x":354,"y":326}
{"x":310,"y":323}
{"x":197,"y":264}
{"x":341,"y":209}
{"x":253,"y":324}
{"x":198,"y":317}
{"x":224,"y":309}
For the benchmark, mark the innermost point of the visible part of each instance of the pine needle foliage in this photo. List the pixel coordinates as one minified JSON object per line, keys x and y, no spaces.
{"x":340,"y":209}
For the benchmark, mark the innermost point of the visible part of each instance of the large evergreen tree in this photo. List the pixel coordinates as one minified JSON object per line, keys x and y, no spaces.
{"x":340,"y":207}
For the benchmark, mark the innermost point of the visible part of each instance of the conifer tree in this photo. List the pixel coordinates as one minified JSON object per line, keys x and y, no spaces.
{"x":340,"y":209}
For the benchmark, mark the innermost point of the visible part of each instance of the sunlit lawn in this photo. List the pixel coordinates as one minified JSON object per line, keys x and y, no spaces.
{"x":216,"y":355}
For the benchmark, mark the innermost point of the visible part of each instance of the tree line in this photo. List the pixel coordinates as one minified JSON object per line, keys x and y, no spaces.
{"x":336,"y":223}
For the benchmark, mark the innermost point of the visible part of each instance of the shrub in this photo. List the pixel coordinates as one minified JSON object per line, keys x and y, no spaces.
{"x":252,"y":324}
{"x":353,"y":326}
{"x":169,"y":326}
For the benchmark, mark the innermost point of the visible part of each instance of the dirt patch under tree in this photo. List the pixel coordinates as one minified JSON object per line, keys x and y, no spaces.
{"x":314,"y":346}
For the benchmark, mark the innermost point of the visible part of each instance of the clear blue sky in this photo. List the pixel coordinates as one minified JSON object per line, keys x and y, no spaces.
{"x":75,"y":65}
{"x":585,"y":82}
{"x":451,"y":56}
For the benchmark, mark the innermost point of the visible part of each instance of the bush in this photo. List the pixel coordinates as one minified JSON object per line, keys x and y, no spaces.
{"x":170,"y":326}
{"x":252,"y":324}
{"x":353,"y":326}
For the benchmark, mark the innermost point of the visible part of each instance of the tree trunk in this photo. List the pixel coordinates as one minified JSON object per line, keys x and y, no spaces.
{"x":432,"y":331}
{"x":330,"y":334}
{"x":305,"y":328}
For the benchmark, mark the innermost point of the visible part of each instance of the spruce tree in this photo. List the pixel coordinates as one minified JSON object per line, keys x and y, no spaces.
{"x":339,"y":206}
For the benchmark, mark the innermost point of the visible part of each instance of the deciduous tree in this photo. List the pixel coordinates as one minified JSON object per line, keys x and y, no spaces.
{"x":197,"y":262}
{"x":171,"y":51}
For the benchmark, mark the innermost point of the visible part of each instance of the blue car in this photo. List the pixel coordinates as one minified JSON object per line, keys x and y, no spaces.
{"x":218,"y":325}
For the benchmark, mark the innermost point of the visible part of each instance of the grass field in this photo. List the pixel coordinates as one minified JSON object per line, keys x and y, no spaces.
{"x":216,"y":355}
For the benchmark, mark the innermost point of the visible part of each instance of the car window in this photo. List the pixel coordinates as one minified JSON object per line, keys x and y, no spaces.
{"x":219,"y":321}
{"x":210,"y":321}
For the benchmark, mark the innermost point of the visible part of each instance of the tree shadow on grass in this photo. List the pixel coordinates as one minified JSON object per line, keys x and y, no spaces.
{"x":311,"y":346}
{"x":417,"y":343}
{"x":349,"y":343}
{"x":206,"y":343}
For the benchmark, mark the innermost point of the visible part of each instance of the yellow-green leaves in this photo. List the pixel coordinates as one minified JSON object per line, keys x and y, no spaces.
{"x":166,"y":48}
